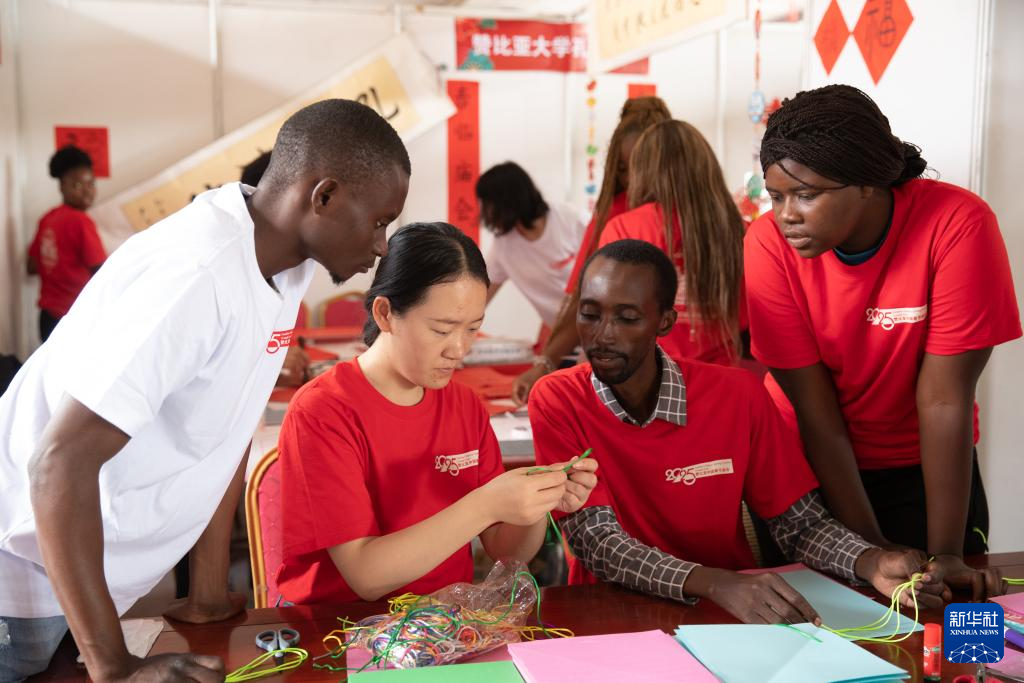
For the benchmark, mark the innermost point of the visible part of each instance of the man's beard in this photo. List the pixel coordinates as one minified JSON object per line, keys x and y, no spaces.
{"x":619,"y":377}
{"x":336,"y":279}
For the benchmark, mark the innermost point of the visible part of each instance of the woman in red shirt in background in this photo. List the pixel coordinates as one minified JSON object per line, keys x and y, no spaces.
{"x":875,"y":298}
{"x":674,"y":172}
{"x":637,"y":115}
{"x":66,"y":251}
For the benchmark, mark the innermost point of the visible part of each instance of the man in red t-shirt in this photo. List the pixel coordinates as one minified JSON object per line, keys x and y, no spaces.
{"x":875,"y":298}
{"x":66,"y":251}
{"x":682,"y":444}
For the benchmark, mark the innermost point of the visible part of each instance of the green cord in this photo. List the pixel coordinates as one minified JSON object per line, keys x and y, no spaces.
{"x":852,"y":632}
{"x":981,"y":533}
{"x":252,"y":670}
{"x":414,"y":612}
{"x":585,"y":454}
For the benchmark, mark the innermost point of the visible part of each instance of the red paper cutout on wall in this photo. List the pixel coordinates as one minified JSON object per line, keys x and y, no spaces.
{"x":464,"y":157}
{"x":879,"y":32}
{"x":93,"y":141}
{"x":831,"y":36}
{"x":642,"y":90}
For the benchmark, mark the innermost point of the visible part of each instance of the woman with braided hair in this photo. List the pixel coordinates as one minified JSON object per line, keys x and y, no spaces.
{"x":875,"y":298}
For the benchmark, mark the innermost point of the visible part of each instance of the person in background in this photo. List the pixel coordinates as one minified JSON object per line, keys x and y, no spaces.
{"x":254,"y":170}
{"x":388,"y":468}
{"x":875,"y":299}
{"x":295,"y":370}
{"x":636,"y":116}
{"x":682,"y":445}
{"x":66,"y":250}
{"x":674,"y":173}
{"x":535,"y":243}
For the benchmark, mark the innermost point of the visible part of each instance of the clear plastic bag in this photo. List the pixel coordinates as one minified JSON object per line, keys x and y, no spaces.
{"x":456,"y":622}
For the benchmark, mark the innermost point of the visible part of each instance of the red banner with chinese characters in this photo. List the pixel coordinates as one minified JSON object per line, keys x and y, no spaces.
{"x":505,"y":45}
{"x":464,"y":157}
{"x":93,"y":141}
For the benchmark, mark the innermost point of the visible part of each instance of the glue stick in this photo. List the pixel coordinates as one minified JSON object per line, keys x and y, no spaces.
{"x":932,"y":652}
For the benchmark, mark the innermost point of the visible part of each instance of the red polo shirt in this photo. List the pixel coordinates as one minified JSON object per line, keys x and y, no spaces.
{"x":675,"y":487}
{"x":939,"y":284}
{"x":646,"y":223}
{"x":67,"y":249}
{"x":354,"y":464}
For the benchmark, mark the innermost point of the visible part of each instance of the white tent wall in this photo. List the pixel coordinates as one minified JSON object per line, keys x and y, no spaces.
{"x":1001,"y":393}
{"x":142,"y":69}
{"x":12,"y":264}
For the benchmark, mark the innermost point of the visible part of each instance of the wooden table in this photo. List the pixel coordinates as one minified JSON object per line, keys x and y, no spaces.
{"x":587,"y":610}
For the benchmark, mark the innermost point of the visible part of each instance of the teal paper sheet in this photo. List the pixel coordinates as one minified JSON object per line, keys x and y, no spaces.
{"x":749,"y":653}
{"x":841,"y":607}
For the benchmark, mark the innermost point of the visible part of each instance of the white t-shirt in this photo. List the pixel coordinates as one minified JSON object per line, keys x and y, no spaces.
{"x":541,"y":268}
{"x":177,"y":341}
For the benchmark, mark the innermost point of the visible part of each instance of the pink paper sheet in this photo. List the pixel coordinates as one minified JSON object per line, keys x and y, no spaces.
{"x":649,"y":656}
{"x":1013,"y":606}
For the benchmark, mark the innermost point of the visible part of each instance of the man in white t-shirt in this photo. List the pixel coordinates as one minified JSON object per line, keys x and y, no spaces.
{"x":535,"y":243}
{"x":122,"y":439}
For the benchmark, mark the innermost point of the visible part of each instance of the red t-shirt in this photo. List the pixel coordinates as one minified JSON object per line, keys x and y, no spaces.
{"x":939,"y":284}
{"x":67,"y":249}
{"x":678,"y":488}
{"x":620,"y":204}
{"x":646,"y":223}
{"x":354,"y":464}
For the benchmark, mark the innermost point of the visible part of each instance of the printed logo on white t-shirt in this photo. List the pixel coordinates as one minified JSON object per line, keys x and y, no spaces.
{"x":280,"y":340}
{"x":690,"y":475}
{"x":453,"y":464}
{"x":888,"y":318}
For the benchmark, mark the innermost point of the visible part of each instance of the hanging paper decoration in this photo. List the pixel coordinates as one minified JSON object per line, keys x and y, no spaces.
{"x":879,"y":32}
{"x":591,"y":187}
{"x":634,"y":90}
{"x":751,"y":198}
{"x":93,"y":140}
{"x":831,"y":36}
{"x":464,"y":157}
{"x":755,"y":105}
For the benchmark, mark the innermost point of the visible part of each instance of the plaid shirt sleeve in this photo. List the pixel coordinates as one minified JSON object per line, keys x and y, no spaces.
{"x":806,"y":532}
{"x":598,"y":541}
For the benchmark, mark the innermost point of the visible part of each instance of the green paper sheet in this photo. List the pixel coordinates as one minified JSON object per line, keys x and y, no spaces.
{"x":491,"y":672}
{"x":749,"y":653}
{"x":841,"y":607}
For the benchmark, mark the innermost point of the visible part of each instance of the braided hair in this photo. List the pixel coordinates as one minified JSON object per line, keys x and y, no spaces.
{"x":839,"y":132}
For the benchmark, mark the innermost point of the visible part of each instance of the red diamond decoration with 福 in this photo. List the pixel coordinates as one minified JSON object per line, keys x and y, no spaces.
{"x":879,"y":32}
{"x":831,"y":36}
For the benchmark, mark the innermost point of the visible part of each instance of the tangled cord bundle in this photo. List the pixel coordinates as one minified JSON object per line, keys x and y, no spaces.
{"x":459,"y":621}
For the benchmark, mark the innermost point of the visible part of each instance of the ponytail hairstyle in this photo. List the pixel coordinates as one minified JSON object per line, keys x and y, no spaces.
{"x":637,"y":115}
{"x":674,"y":165}
{"x":421,"y":255}
{"x":839,"y":132}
